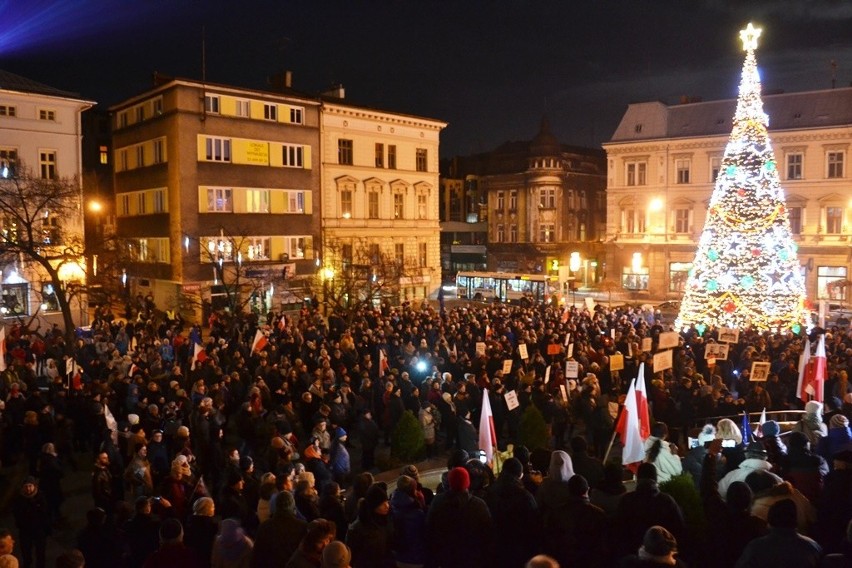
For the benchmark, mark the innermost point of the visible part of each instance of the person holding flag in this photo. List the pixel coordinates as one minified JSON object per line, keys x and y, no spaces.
{"x":634,"y":424}
{"x":487,"y":433}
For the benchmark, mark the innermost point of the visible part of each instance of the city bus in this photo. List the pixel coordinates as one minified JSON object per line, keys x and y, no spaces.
{"x":525,"y":289}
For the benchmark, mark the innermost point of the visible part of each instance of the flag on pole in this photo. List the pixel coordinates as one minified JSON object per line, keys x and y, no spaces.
{"x":746,"y":428}
{"x":487,"y":433}
{"x":488,"y":331}
{"x":111,"y":424}
{"x":384,"y":367}
{"x":633,"y":451}
{"x":803,"y":367}
{"x":2,"y":348}
{"x":814,"y":383}
{"x":259,"y":342}
{"x":642,"y":404}
{"x":282,"y":322}
{"x":760,"y":422}
{"x":199,"y":355}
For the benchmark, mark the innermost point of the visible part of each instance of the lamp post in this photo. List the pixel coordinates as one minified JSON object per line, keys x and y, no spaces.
{"x":574,"y":263}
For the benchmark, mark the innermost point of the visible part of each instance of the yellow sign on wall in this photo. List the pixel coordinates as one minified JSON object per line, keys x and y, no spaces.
{"x":251,"y":152}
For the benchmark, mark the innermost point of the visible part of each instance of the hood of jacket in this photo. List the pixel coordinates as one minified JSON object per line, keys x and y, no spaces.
{"x":561,"y":467}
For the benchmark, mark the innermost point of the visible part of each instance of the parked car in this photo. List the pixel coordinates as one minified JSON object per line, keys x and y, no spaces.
{"x":668,"y":310}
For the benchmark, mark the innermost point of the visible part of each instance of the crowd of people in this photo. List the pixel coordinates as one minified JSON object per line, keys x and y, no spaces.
{"x":254,"y":443}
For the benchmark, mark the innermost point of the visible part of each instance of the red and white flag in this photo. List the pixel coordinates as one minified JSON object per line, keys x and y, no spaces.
{"x":642,"y":404}
{"x":760,"y":422}
{"x":2,"y":348}
{"x":814,"y":383}
{"x":804,"y":358}
{"x":487,"y":433}
{"x":384,"y":367}
{"x":488,"y":331}
{"x":199,"y":355}
{"x":282,"y":322}
{"x":259,"y":342}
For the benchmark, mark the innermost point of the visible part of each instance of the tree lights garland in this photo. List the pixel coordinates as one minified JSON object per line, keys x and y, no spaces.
{"x":746,"y":270}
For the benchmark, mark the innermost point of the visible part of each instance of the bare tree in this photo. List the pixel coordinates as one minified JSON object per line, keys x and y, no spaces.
{"x":42,"y":236}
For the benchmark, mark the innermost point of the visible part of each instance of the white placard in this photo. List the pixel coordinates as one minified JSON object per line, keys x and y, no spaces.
{"x":662,"y":360}
{"x":716,"y":351}
{"x":547,"y":375}
{"x":759,"y":371}
{"x":668,"y":339}
{"x":612,"y":333}
{"x":572,"y":369}
{"x":522,"y":350}
{"x":507,"y":366}
{"x":590,"y":304}
{"x":511,"y":400}
{"x":647,"y":344}
{"x":616,"y":362}
{"x":567,"y":339}
{"x":729,"y":334}
{"x":564,"y":392}
{"x":570,"y":352}
{"x":480,"y":348}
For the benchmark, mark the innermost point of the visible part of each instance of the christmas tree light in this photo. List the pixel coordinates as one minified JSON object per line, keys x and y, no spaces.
{"x":746,"y":272}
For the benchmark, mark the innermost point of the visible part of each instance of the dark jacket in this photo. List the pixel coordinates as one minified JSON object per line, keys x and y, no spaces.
{"x":640,"y":510}
{"x":517,"y":528}
{"x":834,"y":509}
{"x":277,"y":540}
{"x":574,"y":533}
{"x":200,"y":534}
{"x":369,"y":539}
{"x":460,"y":527}
{"x":468,"y":439}
{"x":781,"y":548}
{"x":409,"y":528}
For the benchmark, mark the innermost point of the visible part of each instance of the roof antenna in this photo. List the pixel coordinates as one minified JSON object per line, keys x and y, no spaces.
{"x":203,"y":72}
{"x":833,"y":73}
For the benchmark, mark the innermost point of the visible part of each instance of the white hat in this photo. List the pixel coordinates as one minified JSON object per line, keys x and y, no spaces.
{"x":133,"y":419}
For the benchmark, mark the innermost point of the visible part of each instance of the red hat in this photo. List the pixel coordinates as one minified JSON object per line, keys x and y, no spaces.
{"x":459,"y":479}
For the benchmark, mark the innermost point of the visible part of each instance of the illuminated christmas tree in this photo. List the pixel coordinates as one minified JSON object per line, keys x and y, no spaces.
{"x":746,"y":272}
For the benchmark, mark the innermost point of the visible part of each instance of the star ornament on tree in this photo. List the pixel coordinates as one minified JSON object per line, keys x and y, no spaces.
{"x":749,"y":37}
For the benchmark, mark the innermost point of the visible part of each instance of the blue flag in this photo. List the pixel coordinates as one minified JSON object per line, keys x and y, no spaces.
{"x":746,"y":428}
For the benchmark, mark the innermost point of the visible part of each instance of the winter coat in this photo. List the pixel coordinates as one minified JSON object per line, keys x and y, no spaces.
{"x":200,"y":534}
{"x":812,"y":426}
{"x":834,"y":510}
{"x":638,"y":511}
{"x":460,"y":527}
{"x":468,"y":439}
{"x":409,"y":527}
{"x":277,"y":540}
{"x":805,"y":471}
{"x":370,"y":540}
{"x":837,"y":440}
{"x":745,"y":468}
{"x":517,"y":527}
{"x":781,"y":548}
{"x":231,"y":555}
{"x":427,"y":423}
{"x":668,"y":464}
{"x":553,"y":491}
{"x":574,"y":533}
{"x":805,"y":512}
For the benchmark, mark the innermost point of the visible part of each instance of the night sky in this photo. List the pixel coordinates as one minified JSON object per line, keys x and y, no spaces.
{"x":490,"y":69}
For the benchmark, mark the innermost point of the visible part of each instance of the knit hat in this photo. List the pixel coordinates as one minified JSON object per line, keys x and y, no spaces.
{"x":658,"y":541}
{"x":336,"y":555}
{"x":410,"y":471}
{"x":459,"y":479}
{"x":708,"y":434}
{"x":376,"y":495}
{"x":770,"y":428}
{"x":340,"y":433}
{"x":813,"y":407}
{"x":838,"y":421}
{"x":171,"y":530}
{"x":181,"y":465}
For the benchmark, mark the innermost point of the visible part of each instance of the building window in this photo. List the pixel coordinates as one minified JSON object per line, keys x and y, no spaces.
{"x":140,"y":113}
{"x":8,"y":162}
{"x":218,"y":149}
{"x":501,"y":201}
{"x":344,"y":151}
{"x":158,"y":106}
{"x":513,"y":233}
{"x":634,"y":221}
{"x":678,"y":274}
{"x":380,"y":155}
{"x":794,"y":165}
{"x":258,"y":248}
{"x":391,"y":156}
{"x":715,"y":167}
{"x":122,"y":160}
{"x":217,"y":248}
{"x":399,"y":253}
{"x":15,"y":298}
{"x":826,"y":276}
{"x":122,"y":119}
{"x":398,"y":206}
{"x":501,"y":234}
{"x":7,"y":110}
{"x":421,"y":161}
{"x":834,"y":161}
{"x":631,"y":280}
{"x":292,"y":156}
{"x":546,"y":233}
{"x":421,"y":206}
{"x":242,"y":108}
{"x":104,"y":155}
{"x":346,"y":203}
{"x":141,"y":209}
{"x":124,"y":204}
{"x":681,"y":221}
{"x":346,"y":252}
{"x":513,"y":200}
{"x":296,"y":115}
{"x":547,"y":198}
{"x":422,"y":257}
{"x":795,"y":220}
{"x":270,"y":111}
{"x":298,"y":247}
{"x":833,"y":220}
{"x":373,"y":252}
{"x":257,"y":201}
{"x":682,"y":169}
{"x":140,"y":156}
{"x":49,"y":301}
{"x":45,"y":114}
{"x":159,"y":151}
{"x":373,"y":205}
{"x":211,"y":104}
{"x":47,"y":164}
{"x":295,"y":201}
{"x":636,"y":173}
{"x":159,"y":201}
{"x":220,"y":200}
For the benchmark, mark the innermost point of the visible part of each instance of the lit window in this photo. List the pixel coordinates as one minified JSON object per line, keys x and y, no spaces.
{"x":257,"y":201}
{"x":242,"y":108}
{"x":421,"y":206}
{"x":104,"y":155}
{"x":346,"y":203}
{"x":258,"y":248}
{"x":546,"y":233}
{"x":398,"y":206}
{"x":422,"y":162}
{"x":219,"y":200}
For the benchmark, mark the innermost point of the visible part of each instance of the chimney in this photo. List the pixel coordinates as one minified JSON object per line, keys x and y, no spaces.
{"x":281,"y":81}
{"x":335,"y":91}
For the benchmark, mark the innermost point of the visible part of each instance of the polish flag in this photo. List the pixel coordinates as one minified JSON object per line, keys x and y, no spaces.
{"x":282,"y":322}
{"x":259,"y":342}
{"x":488,"y":331}
{"x":815,"y":375}
{"x":2,"y":348}
{"x":760,"y":422}
{"x":629,"y":431}
{"x":804,"y":358}
{"x":384,"y":367}
{"x":487,"y":433}
{"x":199,"y":355}
{"x":642,"y":404}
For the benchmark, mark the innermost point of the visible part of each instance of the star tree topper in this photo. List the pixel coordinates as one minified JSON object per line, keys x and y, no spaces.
{"x":749,"y":37}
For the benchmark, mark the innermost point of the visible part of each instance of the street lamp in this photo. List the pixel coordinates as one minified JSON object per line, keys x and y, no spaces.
{"x":574,"y":264}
